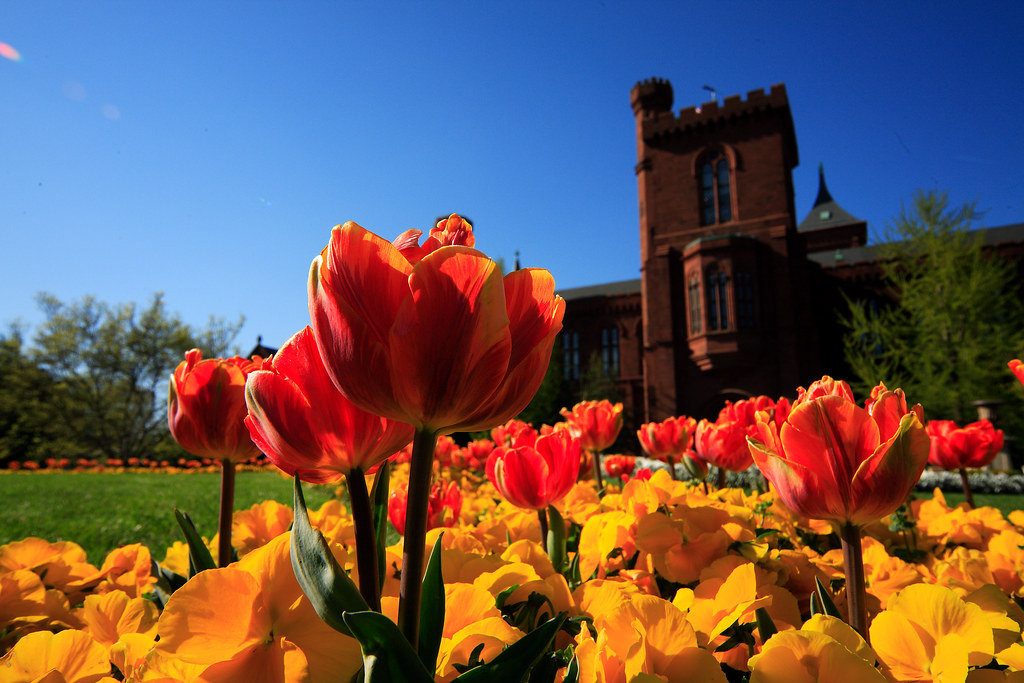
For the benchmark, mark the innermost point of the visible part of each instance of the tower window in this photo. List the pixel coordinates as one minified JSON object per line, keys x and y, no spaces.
{"x":571,"y":357}
{"x":610,"y":351}
{"x":693,"y":292}
{"x":715,"y":189}
{"x":718,"y":302}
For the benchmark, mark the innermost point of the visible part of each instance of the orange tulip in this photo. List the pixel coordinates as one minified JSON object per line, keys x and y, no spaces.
{"x":595,"y":423}
{"x":536,"y":476}
{"x":206,"y":407}
{"x":445,"y":343}
{"x":306,"y":426}
{"x":667,"y":439}
{"x":723,"y":444}
{"x":952,"y":447}
{"x":834,"y":460}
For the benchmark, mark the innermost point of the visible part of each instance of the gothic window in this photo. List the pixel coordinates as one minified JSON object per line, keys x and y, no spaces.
{"x":715,"y":189}
{"x":718,"y":301}
{"x":693,"y":292}
{"x":745,"y":301}
{"x":571,"y":354}
{"x":610,"y":351}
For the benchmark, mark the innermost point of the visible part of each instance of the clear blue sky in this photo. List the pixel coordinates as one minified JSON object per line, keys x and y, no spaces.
{"x":205,"y":149}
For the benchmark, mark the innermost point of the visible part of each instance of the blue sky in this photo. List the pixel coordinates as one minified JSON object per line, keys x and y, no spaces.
{"x":205,"y":150}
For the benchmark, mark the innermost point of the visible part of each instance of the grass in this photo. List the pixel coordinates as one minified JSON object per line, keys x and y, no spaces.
{"x":103,"y":511}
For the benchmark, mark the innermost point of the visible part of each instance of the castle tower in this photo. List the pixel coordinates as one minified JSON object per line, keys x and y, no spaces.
{"x":723,"y":268}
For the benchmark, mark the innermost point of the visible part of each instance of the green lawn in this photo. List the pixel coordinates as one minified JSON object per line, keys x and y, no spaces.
{"x":101,"y":512}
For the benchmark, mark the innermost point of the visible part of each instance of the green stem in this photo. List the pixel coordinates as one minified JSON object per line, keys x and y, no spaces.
{"x":411,"y":587}
{"x":366,"y":538}
{"x":597,"y":469}
{"x":721,"y":478}
{"x":967,"y":488}
{"x":227,"y":506}
{"x":853,"y":564}
{"x":542,"y":517}
{"x":556,"y":538}
{"x":671,"y":467}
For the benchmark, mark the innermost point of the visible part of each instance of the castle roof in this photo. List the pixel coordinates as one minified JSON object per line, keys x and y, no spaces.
{"x":826,"y":212}
{"x":606,"y":289}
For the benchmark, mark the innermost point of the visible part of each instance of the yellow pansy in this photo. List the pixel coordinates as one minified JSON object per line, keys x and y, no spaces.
{"x":927,"y":632}
{"x":65,"y":657}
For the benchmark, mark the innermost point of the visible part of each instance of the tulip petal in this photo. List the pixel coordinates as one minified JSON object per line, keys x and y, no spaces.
{"x":356,"y":287}
{"x":450,"y":342}
{"x":535,"y":318}
{"x":884,"y":480}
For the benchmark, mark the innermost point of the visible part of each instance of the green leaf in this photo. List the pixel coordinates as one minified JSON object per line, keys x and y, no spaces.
{"x":572,"y":672}
{"x":166,"y":583}
{"x":199,"y":557}
{"x":387,"y":655}
{"x":432,"y":609}
{"x":320,"y":576}
{"x":513,"y":665}
{"x":765,"y":624}
{"x":815,"y":604}
{"x":827,"y":605}
{"x":379,"y":501}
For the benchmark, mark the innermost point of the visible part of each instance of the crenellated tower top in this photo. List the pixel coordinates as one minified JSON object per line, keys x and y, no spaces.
{"x":651,"y":96}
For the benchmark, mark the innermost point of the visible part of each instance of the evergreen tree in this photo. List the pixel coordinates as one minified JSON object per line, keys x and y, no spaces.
{"x":952,"y":318}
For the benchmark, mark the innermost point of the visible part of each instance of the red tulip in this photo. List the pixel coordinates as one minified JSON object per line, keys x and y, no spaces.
{"x":619,"y":466}
{"x":595,"y":423}
{"x":535,"y":476}
{"x":1017,"y":367}
{"x":723,"y":444}
{"x":306,"y":426}
{"x":670,"y":438}
{"x":834,"y":460}
{"x":206,"y":407}
{"x":952,"y":447}
{"x":443,"y":510}
{"x":445,"y":344}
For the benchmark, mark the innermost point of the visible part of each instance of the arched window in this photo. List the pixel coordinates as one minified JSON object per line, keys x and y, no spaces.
{"x":610,"y":351}
{"x":571,"y":357}
{"x":715,"y":189}
{"x":718,"y":300}
{"x":693,"y":296}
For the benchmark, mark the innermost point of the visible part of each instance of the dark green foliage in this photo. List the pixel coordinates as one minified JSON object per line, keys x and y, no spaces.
{"x":28,"y":430}
{"x":94,"y":382}
{"x":954,"y":318}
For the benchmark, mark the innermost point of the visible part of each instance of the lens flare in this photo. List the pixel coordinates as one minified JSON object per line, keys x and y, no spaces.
{"x":9,"y":52}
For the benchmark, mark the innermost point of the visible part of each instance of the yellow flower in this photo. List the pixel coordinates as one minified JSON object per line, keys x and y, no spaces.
{"x":255,"y":527}
{"x":250,"y":620}
{"x":108,"y":617}
{"x":928,"y":633}
{"x":825,"y":649}
{"x":65,"y":657}
{"x":471,"y":619}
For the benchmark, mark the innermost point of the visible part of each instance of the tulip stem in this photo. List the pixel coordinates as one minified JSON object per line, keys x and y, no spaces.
{"x":853,"y":564}
{"x":597,"y":470}
{"x":968,"y":496}
{"x":556,"y":538}
{"x":671,"y":467}
{"x":227,"y":506}
{"x":542,"y":517}
{"x":721,"y":478}
{"x":421,"y":468}
{"x":366,"y":538}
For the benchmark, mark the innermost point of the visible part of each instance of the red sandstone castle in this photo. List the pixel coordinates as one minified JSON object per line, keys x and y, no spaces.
{"x":736,"y":297}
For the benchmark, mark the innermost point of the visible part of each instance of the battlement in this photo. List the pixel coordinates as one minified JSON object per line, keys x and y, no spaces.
{"x":734,"y":105}
{"x":651,"y":96}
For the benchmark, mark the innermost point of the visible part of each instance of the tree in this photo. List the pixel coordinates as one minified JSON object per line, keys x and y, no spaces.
{"x":110,"y":366}
{"x":28,"y":430}
{"x":952,"y":319}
